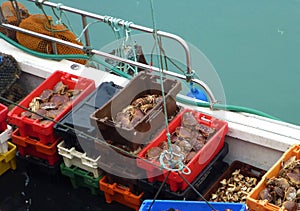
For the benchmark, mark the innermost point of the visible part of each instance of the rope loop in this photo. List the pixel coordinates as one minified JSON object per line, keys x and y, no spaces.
{"x":115,"y":24}
{"x":58,"y":6}
{"x":127,"y":29}
{"x":106,"y":19}
{"x":173,"y":165}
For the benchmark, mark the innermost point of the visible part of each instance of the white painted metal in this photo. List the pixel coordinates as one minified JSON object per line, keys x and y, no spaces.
{"x":252,"y":139}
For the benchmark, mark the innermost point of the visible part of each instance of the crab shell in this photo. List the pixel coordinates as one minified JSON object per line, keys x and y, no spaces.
{"x":183,"y":133}
{"x":60,"y":88}
{"x":46,"y":94}
{"x":189,"y":120}
{"x":153,"y":153}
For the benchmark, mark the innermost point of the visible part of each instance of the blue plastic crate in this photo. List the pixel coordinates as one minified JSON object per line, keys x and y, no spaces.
{"x":79,"y":118}
{"x":162,"y":205}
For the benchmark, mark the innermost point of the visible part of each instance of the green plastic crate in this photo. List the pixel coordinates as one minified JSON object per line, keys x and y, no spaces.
{"x":82,"y":178}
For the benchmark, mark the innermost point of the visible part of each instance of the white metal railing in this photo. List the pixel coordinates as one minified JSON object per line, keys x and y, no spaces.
{"x":84,"y":15}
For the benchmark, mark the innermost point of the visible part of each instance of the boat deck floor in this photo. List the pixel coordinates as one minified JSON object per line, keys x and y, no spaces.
{"x":28,"y":188}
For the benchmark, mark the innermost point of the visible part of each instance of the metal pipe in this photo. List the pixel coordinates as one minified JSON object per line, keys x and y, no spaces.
{"x":86,"y":33}
{"x":132,"y":26}
{"x":107,"y":55}
{"x":43,"y":36}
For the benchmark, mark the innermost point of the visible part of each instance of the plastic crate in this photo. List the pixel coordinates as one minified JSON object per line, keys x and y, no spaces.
{"x":245,"y":169}
{"x":113,"y":192}
{"x":79,"y":159}
{"x":120,"y":168}
{"x":81,"y":178}
{"x":203,"y":157}
{"x":38,"y":166}
{"x":202,"y":182}
{"x":79,"y":118}
{"x":153,"y":122}
{"x":30,"y":147}
{"x":3,"y":117}
{"x":8,"y":159}
{"x":126,"y":177}
{"x":190,"y":205}
{"x":44,"y":132}
{"x":4,"y":137}
{"x":263,"y":205}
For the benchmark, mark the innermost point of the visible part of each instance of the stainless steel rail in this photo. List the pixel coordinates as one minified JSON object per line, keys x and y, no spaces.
{"x":85,"y":14}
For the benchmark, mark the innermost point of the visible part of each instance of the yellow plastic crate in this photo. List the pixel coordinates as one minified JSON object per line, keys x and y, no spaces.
{"x":8,"y":159}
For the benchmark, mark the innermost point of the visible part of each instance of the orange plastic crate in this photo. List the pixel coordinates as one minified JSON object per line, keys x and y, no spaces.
{"x":263,"y":205}
{"x":28,"y":146}
{"x":45,"y":132}
{"x":120,"y":194}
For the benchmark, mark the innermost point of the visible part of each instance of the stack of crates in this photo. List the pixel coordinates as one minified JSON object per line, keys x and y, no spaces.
{"x":206,"y":165}
{"x":35,"y":139}
{"x":121,"y":181}
{"x":81,"y":162}
{"x":83,"y":171}
{"x":201,"y":183}
{"x":7,"y":149}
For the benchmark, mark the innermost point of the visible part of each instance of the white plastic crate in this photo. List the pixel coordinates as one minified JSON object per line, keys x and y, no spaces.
{"x":73,"y":157}
{"x":4,"y":137}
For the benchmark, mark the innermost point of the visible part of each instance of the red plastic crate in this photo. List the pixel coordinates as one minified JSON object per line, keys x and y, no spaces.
{"x":203,"y":157}
{"x":45,"y":132}
{"x":120,"y":194}
{"x":28,"y":146}
{"x":3,"y":116}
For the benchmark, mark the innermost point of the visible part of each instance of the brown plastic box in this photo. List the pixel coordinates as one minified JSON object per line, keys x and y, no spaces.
{"x":245,"y":170}
{"x":150,"y":125}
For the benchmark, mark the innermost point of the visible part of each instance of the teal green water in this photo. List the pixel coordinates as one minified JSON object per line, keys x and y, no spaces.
{"x":253,"y":45}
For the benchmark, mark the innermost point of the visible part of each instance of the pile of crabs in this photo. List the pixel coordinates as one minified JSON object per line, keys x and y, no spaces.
{"x":187,"y":139}
{"x":284,"y":190}
{"x":234,"y":189}
{"x":51,"y":102}
{"x":136,"y":111}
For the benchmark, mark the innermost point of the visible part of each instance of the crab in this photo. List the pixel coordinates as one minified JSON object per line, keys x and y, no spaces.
{"x":46,"y":94}
{"x":196,"y":144}
{"x":205,"y":130}
{"x":123,"y":119}
{"x":188,"y":120}
{"x":146,"y":108}
{"x":137,"y":116}
{"x":59,"y":99}
{"x":184,"y":145}
{"x":60,"y":88}
{"x":153,"y":153}
{"x":34,"y":105}
{"x":40,"y":111}
{"x":48,"y":106}
{"x":71,"y":93}
{"x":147,"y":99}
{"x":52,"y":114}
{"x":189,"y":157}
{"x":183,"y":133}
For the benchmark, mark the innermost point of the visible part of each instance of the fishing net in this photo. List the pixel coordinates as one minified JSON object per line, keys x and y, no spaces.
{"x":42,"y":24}
{"x":8,"y":10}
{"x":10,"y":73}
